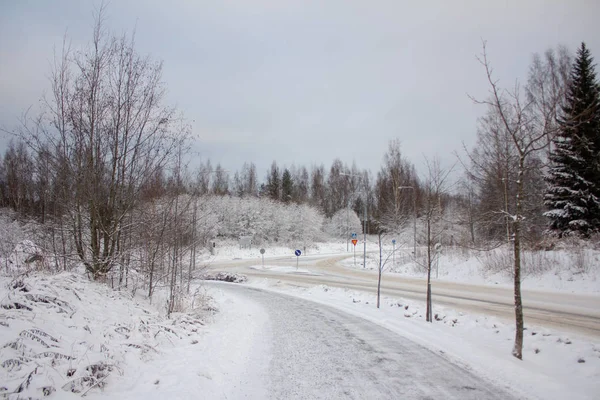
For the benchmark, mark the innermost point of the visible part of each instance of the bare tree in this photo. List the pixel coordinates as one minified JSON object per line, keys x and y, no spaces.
{"x":435,"y":188}
{"x":221,"y":181}
{"x":302,"y":186}
{"x":318,"y":187}
{"x":528,"y":126}
{"x":492,"y":164}
{"x":384,"y":258}
{"x":106,"y":128}
{"x":394,"y":207}
{"x":547,"y":83}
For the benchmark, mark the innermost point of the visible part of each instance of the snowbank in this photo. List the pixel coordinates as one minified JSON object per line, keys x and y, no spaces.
{"x":64,"y":335}
{"x":575,"y":270}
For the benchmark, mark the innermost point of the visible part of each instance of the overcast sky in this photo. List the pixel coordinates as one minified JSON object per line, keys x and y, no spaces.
{"x":307,"y":81}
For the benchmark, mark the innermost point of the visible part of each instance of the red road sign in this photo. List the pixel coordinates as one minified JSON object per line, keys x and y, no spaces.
{"x":354,"y":241}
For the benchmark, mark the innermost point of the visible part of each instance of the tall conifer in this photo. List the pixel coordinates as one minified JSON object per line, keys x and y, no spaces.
{"x":573,"y":195}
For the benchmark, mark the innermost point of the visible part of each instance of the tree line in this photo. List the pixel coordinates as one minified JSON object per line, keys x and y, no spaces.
{"x":60,"y":154}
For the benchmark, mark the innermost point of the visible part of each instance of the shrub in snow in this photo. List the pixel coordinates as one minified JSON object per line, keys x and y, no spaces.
{"x":25,"y":257}
{"x":501,"y":261}
{"x":225,"y":277}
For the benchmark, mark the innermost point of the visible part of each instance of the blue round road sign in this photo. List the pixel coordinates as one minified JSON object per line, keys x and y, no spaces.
{"x":354,"y":236}
{"x":393,"y":241}
{"x":297,"y":253}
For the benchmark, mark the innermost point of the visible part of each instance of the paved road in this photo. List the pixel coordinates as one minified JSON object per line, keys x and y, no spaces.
{"x":567,"y":311}
{"x":319,"y":352}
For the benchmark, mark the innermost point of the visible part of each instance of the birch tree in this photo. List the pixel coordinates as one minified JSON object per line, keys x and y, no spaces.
{"x":527,"y":127}
{"x":106,"y":126}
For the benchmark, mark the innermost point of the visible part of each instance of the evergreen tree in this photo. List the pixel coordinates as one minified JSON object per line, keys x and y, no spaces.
{"x":273,"y":182}
{"x":573,"y":196}
{"x":287,"y":186}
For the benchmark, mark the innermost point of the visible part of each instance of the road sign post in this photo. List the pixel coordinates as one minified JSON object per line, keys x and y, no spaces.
{"x":394,"y":253}
{"x":262,"y":253}
{"x":297,"y":253}
{"x":354,"y":241}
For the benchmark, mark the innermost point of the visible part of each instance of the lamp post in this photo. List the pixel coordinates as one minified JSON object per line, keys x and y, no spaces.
{"x":414,"y":217}
{"x":364,"y":221}
{"x":347,"y":227}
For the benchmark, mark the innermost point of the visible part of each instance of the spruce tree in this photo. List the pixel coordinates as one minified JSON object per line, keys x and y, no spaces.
{"x":274,"y":182}
{"x":573,"y":195}
{"x":287,"y":186}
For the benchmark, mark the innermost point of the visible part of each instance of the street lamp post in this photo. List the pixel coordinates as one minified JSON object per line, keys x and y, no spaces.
{"x":364,"y":222}
{"x":347,"y":227}
{"x":414,"y":217}
{"x":365,"y":233}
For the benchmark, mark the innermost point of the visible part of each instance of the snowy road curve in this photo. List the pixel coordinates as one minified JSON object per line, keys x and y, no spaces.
{"x":574,"y":312}
{"x":319,"y":352}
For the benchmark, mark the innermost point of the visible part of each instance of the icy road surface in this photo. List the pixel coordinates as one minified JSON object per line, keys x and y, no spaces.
{"x":319,"y":352}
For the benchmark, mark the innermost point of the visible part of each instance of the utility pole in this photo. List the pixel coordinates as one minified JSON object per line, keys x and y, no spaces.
{"x":428,"y":311}
{"x":347,"y":227}
{"x":364,"y":220}
{"x":365,"y":233}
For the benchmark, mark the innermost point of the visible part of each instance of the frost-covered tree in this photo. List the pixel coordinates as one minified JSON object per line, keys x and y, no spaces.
{"x":573,"y":196}
{"x":106,"y":129}
{"x":249,"y":179}
{"x":266,"y":220}
{"x":342,"y":223}
{"x":301,"y":184}
{"x":221,"y":181}
{"x":203,"y":177}
{"x":394,"y":205}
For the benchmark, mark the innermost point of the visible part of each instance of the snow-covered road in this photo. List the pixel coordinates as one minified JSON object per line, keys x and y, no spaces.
{"x":578,"y":313}
{"x":318,"y":352}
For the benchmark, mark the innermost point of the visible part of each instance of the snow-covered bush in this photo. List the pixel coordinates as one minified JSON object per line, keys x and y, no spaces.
{"x":343,"y":223}
{"x":12,"y":232}
{"x":25,"y":257}
{"x":225,"y":277}
{"x":267,"y":221}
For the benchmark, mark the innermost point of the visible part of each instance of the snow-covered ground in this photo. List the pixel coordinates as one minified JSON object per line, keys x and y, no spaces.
{"x":230,"y":250}
{"x":575,"y":270}
{"x":555,"y":366}
{"x":65,"y":335}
